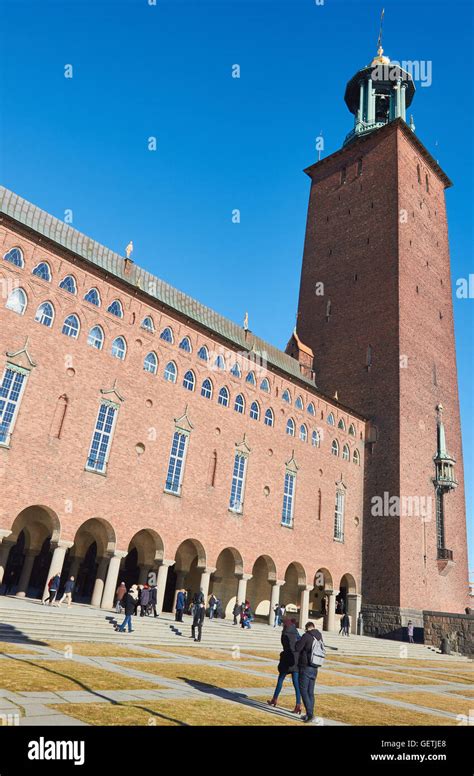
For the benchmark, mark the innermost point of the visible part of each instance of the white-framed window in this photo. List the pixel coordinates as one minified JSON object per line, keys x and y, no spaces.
{"x":330,"y":420}
{"x":42,"y":270}
{"x":69,"y":284}
{"x":335,"y":447}
{"x":11,"y":391}
{"x":148,"y":324}
{"x":265,"y":385}
{"x":171,"y":372}
{"x":219,"y":362}
{"x":303,"y":433}
{"x":352,"y":431}
{"x":341,"y":424}
{"x":288,"y":498}
{"x":299,"y":403}
{"x":290,"y":427}
{"x":254,"y":410}
{"x":45,"y":314}
{"x":93,"y":297}
{"x":167,"y":335}
{"x":71,"y":326}
{"x":150,"y":363}
{"x":339,"y":516}
{"x":251,"y":379}
{"x":115,"y":308}
{"x":286,"y":397}
{"x":95,"y":338}
{"x":356,"y":457}
{"x":237,"y":489}
{"x":206,"y":389}
{"x":203,"y":353}
{"x":223,"y":397}
{"x":311,"y":409}
{"x":269,"y":418}
{"x":346,"y":454}
{"x":102,"y":437}
{"x":15,"y":256}
{"x":239,"y":404}
{"x":174,"y":477}
{"x":189,"y":380}
{"x":315,"y":439}
{"x":119,"y":348}
{"x":236,"y":370}
{"x":185,"y":345}
{"x":17,"y":301}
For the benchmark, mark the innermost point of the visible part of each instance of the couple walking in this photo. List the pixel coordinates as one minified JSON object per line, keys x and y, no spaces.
{"x":301,"y":657}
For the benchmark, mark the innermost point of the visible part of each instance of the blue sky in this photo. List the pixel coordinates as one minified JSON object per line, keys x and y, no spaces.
{"x":223,"y":143}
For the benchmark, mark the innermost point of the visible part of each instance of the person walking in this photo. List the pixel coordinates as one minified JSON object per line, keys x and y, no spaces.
{"x":345,"y":624}
{"x":246,"y":619}
{"x":410,"y":630}
{"x":154,"y":600}
{"x":119,"y":594}
{"x":180,"y":605}
{"x":236,"y":611}
{"x":68,"y":591}
{"x":144,"y":600}
{"x":212,"y":606}
{"x":129,"y":603}
{"x":53,"y":587}
{"x":288,"y":664}
{"x":311,"y":653}
{"x":138,"y":589}
{"x":198,"y":619}
{"x":278,"y":612}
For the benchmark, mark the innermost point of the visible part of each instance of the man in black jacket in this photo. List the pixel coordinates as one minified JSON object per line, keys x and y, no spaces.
{"x":129,"y":603}
{"x":198,"y":619}
{"x":307,"y":672}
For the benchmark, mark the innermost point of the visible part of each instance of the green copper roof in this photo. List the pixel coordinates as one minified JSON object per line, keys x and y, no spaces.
{"x":64,"y":235}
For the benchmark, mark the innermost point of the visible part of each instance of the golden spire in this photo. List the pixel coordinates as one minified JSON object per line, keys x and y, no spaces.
{"x":380,"y":59}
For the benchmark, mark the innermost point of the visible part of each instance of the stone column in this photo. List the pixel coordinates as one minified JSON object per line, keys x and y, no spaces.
{"x":275,"y":598}
{"x":361,"y":101}
{"x":161,"y":583}
{"x":404,"y":102}
{"x":25,"y":576}
{"x":205,"y":581}
{"x":242,"y":587}
{"x":370,"y":102}
{"x":180,"y":577}
{"x":99,"y":582}
{"x":354,"y":601}
{"x":304,"y":605}
{"x":5,"y":548}
{"x":57,"y":562}
{"x":398,"y":104}
{"x":331,"y":615}
{"x":111,"y":580}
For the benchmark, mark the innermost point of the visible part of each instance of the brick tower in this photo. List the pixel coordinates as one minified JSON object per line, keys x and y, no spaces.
{"x":375,"y":307}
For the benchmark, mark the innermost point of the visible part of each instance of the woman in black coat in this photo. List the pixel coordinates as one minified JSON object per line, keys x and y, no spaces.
{"x":288,"y":663}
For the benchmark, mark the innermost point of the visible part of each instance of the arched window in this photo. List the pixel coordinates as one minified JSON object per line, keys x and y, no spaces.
{"x":418,"y":173}
{"x":341,"y":424}
{"x":311,"y":409}
{"x":185,"y":345}
{"x":254,"y":410}
{"x":315,"y":439}
{"x":303,"y":433}
{"x":45,"y":314}
{"x":331,"y":421}
{"x":427,"y":183}
{"x":17,"y":301}
{"x":251,"y":378}
{"x":265,"y":385}
{"x":203,"y":353}
{"x":148,"y":324}
{"x":290,"y":427}
{"x":299,"y":403}
{"x":119,"y":348}
{"x":346,"y":455}
{"x":115,"y":308}
{"x":93,"y":297}
{"x":335,"y":447}
{"x":189,"y":381}
{"x":95,"y":338}
{"x":170,"y":372}
{"x":71,"y":326}
{"x":223,"y":397}
{"x":239,"y":404}
{"x":236,"y":371}
{"x":356,"y":457}
{"x":206,"y":389}
{"x":219,"y":363}
{"x":150,"y":363}
{"x":69,"y":284}
{"x":42,"y":271}
{"x":15,"y":256}
{"x":352,"y":430}
{"x":286,"y":396}
{"x":269,"y":417}
{"x":167,"y":335}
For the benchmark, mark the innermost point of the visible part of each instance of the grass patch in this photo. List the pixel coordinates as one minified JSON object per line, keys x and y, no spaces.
{"x":332,"y":679}
{"x":401,"y":661}
{"x":97,"y":649}
{"x":17,"y":649}
{"x":207,"y":674}
{"x":200,"y":652}
{"x":468,"y":693}
{"x":432,"y":701}
{"x":55,"y":676}
{"x":172,"y":713}
{"x":386,"y":676}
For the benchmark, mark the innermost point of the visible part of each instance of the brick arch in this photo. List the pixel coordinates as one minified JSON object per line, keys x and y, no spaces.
{"x":259,"y":586}
{"x":38,"y":522}
{"x":95,"y":529}
{"x":149,"y":545}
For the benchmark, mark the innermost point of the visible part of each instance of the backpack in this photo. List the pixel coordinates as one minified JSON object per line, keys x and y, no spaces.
{"x":318,"y":652}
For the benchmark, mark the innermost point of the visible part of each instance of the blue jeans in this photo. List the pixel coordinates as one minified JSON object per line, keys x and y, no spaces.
{"x":307,"y":678}
{"x":281,"y":679}
{"x":127,"y":621}
{"x":277,"y":620}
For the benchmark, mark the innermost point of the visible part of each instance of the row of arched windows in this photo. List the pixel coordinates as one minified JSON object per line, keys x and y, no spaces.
{"x":341,"y":424}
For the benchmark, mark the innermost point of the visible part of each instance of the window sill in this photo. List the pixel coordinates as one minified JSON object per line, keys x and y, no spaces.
{"x":235,"y":511}
{"x":287,"y":525}
{"x":339,"y":541}
{"x":5,"y":445}
{"x":176,"y":493}
{"x":95,"y":471}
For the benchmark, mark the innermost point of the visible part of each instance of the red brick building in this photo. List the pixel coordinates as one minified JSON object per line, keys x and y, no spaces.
{"x":141,"y":432}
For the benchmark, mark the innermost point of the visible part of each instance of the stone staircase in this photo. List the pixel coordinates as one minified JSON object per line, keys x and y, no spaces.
{"x":27,"y":621}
